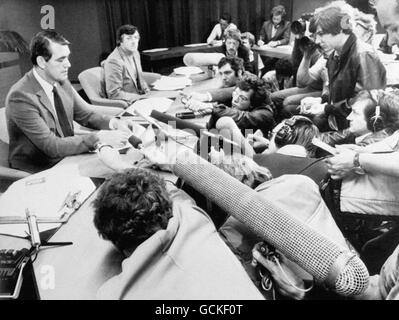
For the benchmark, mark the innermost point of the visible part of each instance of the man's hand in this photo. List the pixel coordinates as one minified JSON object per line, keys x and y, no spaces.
{"x":273,"y":44}
{"x":125,"y":125}
{"x":286,"y":281}
{"x":260,"y":43}
{"x":313,"y":109}
{"x":115,"y":138}
{"x":341,"y":165}
{"x":257,"y":140}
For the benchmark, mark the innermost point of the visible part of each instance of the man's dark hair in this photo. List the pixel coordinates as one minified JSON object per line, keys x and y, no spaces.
{"x":40,"y":44}
{"x":284,"y":68}
{"x":261,"y":93}
{"x":225,"y":16}
{"x":278,"y":11}
{"x":235,"y":63}
{"x":125,"y":29}
{"x":131,"y":207}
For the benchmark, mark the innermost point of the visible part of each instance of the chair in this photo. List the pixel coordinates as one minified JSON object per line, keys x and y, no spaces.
{"x":7,"y":174}
{"x":93,"y":84}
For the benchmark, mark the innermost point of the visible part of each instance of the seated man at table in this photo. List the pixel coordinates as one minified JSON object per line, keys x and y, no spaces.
{"x":217,"y":33}
{"x":232,"y":47}
{"x":250,"y":106}
{"x":231,"y":70}
{"x":124,"y":77}
{"x":172,"y":248}
{"x":274,"y":32}
{"x":248,"y":41}
{"x":41,"y":107}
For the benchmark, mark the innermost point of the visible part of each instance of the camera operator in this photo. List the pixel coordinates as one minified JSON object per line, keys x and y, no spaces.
{"x":312,"y":77}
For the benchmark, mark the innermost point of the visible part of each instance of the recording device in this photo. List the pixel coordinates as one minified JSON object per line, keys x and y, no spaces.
{"x":335,"y":266}
{"x":322,"y":145}
{"x":186,"y":115}
{"x":299,"y":26}
{"x":135,"y":141}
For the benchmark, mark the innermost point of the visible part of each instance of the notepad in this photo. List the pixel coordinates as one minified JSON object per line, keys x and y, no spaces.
{"x":44,"y":194}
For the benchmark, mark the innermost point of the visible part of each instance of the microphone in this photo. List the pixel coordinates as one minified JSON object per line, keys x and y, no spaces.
{"x":190,"y":127}
{"x":33,"y":229}
{"x":135,"y":141}
{"x":333,"y":265}
{"x":202,"y":59}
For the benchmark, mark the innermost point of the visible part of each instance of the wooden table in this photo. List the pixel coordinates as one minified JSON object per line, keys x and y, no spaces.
{"x":78,"y":270}
{"x":281,"y":52}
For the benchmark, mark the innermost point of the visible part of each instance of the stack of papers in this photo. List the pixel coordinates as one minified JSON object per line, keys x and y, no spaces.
{"x":187,"y":71}
{"x":44,"y":195}
{"x":146,"y":106}
{"x":172,"y":83}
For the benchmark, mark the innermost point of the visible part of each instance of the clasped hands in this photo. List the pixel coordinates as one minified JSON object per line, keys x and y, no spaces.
{"x":122,"y":129}
{"x":197,"y":102}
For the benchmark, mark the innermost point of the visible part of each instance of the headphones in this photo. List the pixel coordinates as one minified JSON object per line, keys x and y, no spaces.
{"x":377,"y":121}
{"x":286,"y":134}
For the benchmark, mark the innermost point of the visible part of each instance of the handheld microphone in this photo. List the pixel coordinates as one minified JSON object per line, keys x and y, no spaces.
{"x":135,"y":141}
{"x":329,"y":263}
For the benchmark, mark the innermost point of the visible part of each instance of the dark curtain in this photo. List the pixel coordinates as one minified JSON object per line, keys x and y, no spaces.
{"x":169,"y":23}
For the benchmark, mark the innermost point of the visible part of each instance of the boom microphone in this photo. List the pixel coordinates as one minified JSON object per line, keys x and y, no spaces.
{"x":337,"y":267}
{"x":202,"y":59}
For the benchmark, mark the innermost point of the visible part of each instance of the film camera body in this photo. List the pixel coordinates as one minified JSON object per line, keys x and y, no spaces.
{"x":299,"y":27}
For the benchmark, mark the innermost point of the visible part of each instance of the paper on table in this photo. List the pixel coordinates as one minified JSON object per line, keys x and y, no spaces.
{"x":187,"y":71}
{"x":196,"y":44}
{"x":156,"y":50}
{"x":43,"y":194}
{"x":172,"y":83}
{"x":146,"y":106}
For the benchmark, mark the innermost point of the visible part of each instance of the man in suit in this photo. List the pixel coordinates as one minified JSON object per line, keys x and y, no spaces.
{"x":275,"y":32}
{"x":124,"y":78}
{"x":41,"y":107}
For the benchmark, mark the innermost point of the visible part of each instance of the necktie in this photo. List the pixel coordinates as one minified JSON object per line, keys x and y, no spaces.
{"x":61,"y":114}
{"x":139,"y":78}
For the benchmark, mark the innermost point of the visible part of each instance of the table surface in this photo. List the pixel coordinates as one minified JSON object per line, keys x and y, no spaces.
{"x":80,"y":269}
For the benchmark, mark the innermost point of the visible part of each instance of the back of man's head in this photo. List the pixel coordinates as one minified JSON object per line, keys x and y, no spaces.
{"x":125,"y":29}
{"x":40,"y":44}
{"x":297,"y":130}
{"x":131,"y":207}
{"x":336,"y":17}
{"x":226,"y":17}
{"x":235,"y":63}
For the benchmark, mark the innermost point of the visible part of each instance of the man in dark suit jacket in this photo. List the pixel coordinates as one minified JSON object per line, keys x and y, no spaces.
{"x":274,"y":32}
{"x":41,"y":107}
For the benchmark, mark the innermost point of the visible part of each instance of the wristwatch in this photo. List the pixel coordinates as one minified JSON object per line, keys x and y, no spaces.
{"x":356,"y":164}
{"x":98,"y":146}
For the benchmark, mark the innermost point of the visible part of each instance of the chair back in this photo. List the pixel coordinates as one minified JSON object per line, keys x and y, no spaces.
{"x":92,"y":81}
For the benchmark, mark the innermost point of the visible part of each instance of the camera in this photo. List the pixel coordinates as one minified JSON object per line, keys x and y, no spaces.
{"x":299,"y":26}
{"x":307,"y":44}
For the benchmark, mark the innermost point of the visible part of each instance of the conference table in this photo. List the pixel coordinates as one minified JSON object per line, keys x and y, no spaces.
{"x":77,"y":271}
